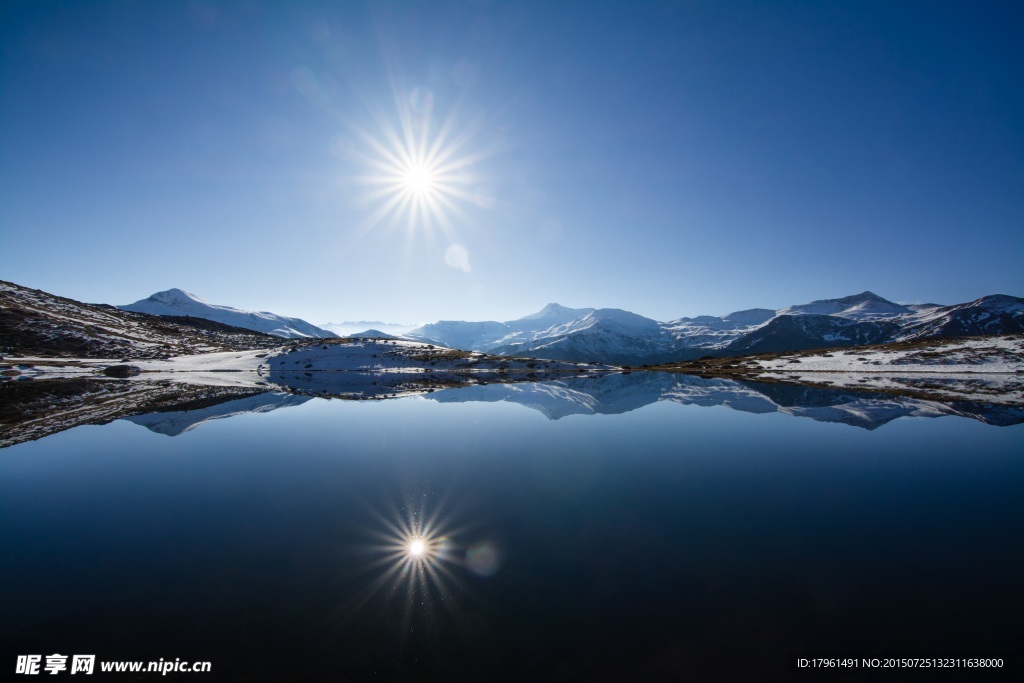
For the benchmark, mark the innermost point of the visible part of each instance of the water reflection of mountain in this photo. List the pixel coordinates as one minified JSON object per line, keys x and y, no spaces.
{"x":181,"y":421}
{"x":38,"y":408}
{"x":614,"y":394}
{"x":33,"y":409}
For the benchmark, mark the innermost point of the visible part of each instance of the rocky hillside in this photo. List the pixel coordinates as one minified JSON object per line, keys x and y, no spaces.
{"x":35,"y":323}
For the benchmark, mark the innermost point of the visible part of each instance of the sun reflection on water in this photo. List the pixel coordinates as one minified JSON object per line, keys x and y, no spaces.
{"x":413,"y":563}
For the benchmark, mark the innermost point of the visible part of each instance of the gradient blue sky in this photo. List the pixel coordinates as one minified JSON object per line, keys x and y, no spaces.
{"x":674,"y":158}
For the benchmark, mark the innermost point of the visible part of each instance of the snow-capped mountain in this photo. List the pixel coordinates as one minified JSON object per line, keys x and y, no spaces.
{"x":554,"y":332}
{"x":616,"y":336}
{"x":372,"y":334}
{"x":602,"y":333}
{"x":863,"y":306}
{"x":176,"y":302}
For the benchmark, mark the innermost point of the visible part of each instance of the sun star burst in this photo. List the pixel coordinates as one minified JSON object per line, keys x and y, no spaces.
{"x":420,"y":177}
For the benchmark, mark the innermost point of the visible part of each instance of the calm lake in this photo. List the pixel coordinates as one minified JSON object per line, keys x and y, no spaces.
{"x":569,"y":535}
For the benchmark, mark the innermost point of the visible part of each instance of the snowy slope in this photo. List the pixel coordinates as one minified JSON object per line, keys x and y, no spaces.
{"x":813,"y":331}
{"x":997,"y":354}
{"x":356,"y":368}
{"x":708,"y":332}
{"x":549,"y":317}
{"x":180,"y":303}
{"x":995,"y":314}
{"x":456,"y":334}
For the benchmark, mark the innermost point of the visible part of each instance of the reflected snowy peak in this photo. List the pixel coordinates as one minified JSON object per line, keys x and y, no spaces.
{"x":180,"y":421}
{"x":615,"y":394}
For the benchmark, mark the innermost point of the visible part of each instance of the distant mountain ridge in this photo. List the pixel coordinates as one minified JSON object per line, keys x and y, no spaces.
{"x":349,"y":327}
{"x":177,"y":302}
{"x":620,"y":337}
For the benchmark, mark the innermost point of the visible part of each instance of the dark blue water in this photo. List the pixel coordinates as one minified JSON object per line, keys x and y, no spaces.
{"x":671,"y":541}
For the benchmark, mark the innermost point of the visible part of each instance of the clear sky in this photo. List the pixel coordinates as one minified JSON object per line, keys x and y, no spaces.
{"x":415,"y":161}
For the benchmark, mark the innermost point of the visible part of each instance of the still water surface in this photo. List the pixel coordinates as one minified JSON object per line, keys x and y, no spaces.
{"x":666,"y":541}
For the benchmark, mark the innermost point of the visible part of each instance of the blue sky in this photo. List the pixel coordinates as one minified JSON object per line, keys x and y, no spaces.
{"x":672,"y":159}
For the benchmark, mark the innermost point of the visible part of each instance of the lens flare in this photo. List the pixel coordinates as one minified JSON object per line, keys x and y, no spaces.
{"x":456,"y":257}
{"x":484,"y":558}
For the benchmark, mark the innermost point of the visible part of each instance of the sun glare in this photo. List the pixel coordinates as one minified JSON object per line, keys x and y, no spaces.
{"x":419,"y":180}
{"x":417,"y":548}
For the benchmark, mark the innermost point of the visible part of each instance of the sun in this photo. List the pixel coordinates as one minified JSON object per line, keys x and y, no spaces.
{"x":419,"y":180}
{"x":419,"y":175}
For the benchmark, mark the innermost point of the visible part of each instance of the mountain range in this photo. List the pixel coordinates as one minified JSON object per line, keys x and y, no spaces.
{"x":615,"y":336}
{"x":556,"y":332}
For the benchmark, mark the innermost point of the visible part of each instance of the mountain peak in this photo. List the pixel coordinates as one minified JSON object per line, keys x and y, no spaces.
{"x":1000,"y":302}
{"x":1000,"y":299}
{"x":552,"y":308}
{"x":174,"y":294}
{"x":863,"y":306}
{"x":559,"y":311}
{"x":864,"y":297}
